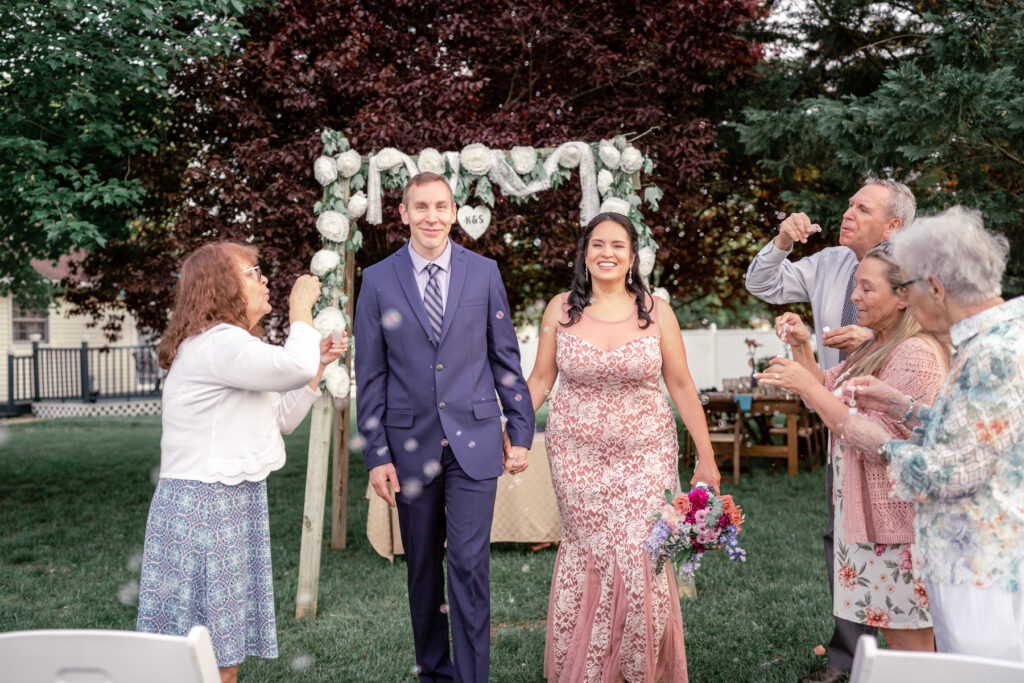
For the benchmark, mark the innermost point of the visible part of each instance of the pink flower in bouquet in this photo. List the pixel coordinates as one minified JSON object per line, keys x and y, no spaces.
{"x":671,"y":516}
{"x":906,"y":564}
{"x":879,"y":549}
{"x":698,"y":498}
{"x":699,"y":517}
{"x":681,"y":503}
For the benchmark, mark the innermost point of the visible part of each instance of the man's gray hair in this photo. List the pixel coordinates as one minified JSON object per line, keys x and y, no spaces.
{"x":955,"y":247}
{"x":901,"y":203}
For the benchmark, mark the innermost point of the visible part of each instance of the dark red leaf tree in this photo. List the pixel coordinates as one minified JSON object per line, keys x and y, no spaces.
{"x":421,"y":73}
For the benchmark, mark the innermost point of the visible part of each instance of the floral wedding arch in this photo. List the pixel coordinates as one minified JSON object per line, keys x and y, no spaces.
{"x":609,"y":176}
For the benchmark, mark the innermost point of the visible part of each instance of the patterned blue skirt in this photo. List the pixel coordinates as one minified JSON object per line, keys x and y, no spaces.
{"x":207,"y":561}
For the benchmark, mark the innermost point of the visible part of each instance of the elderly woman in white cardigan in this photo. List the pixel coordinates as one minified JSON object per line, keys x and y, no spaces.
{"x":227,"y":399}
{"x":964,"y":467}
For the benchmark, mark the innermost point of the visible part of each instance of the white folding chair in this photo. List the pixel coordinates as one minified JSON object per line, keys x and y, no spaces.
{"x":872,"y":665}
{"x":97,"y":656}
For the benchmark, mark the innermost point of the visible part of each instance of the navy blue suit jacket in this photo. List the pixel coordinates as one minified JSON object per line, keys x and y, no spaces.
{"x":412,"y":394}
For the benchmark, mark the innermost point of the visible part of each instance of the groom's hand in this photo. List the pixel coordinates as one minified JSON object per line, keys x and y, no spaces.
{"x":516,"y":459}
{"x":380,"y":477}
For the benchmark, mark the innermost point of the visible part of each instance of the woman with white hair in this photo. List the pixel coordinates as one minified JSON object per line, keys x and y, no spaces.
{"x":964,"y":465}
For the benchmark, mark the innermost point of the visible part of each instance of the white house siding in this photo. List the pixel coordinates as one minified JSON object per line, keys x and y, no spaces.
{"x":65,"y":331}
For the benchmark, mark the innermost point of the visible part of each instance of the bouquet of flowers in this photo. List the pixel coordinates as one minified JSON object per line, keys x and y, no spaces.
{"x":691,"y":523}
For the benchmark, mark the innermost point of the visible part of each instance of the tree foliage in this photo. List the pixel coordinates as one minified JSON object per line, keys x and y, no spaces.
{"x":931,"y":93}
{"x":85,"y":108}
{"x":424,"y":73}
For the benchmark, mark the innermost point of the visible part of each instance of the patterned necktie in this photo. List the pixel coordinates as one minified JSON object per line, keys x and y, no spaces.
{"x":849,"y":310}
{"x":432,"y":301}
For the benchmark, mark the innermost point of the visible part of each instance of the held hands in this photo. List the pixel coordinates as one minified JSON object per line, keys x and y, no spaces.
{"x":791,"y":329}
{"x":846,"y":338}
{"x":796,"y":228}
{"x":380,"y":478}
{"x":516,"y":457}
{"x":872,"y":393}
{"x":788,"y":374}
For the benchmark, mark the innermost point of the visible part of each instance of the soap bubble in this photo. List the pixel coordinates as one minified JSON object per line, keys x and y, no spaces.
{"x":472,"y":444}
{"x":518,"y":397}
{"x":536,"y":242}
{"x":391,"y":319}
{"x":412,"y":488}
{"x":415,"y":671}
{"x":526,"y":569}
{"x":444,"y":608}
{"x":372,"y":422}
{"x":357,"y":442}
{"x":431,"y":468}
{"x":444,"y":442}
{"x":410,"y":445}
{"x":301,"y":663}
{"x":499,"y":315}
{"x":128,"y":594}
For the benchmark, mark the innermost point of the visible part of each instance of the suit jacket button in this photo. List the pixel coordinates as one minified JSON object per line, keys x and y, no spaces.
{"x":440,"y":366}
{"x":441,"y":405}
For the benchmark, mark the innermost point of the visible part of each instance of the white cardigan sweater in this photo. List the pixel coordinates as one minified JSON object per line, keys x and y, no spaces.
{"x":229,"y":397}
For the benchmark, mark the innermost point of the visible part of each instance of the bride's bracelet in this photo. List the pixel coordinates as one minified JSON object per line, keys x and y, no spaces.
{"x":910,"y":410}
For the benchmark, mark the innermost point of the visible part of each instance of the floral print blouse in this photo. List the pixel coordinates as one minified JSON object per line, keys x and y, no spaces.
{"x":964,"y":466}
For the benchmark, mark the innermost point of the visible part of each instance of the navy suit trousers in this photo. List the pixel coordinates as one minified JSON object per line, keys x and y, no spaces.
{"x":457,"y":509}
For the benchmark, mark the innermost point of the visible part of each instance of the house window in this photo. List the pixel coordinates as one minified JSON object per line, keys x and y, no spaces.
{"x":27,"y":322}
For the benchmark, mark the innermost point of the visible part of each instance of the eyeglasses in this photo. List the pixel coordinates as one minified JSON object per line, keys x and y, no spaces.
{"x":253,"y":269}
{"x":900,"y":290}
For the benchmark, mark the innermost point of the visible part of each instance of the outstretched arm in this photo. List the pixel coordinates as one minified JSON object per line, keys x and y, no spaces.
{"x":684,"y":394}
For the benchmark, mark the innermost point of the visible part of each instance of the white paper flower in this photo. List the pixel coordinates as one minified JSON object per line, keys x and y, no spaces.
{"x":357,"y":205}
{"x":324,"y":261}
{"x":609,"y":154}
{"x":325,"y":170}
{"x":632,"y":160}
{"x":328,"y":320}
{"x":604,"y":180}
{"x":570,"y":156}
{"x":333,"y":226}
{"x":336,"y":380}
{"x":349,"y":163}
{"x":646,"y":258}
{"x":662,"y":293}
{"x":476,"y":158}
{"x":523,"y":159}
{"x":431,"y":161}
{"x":615,"y":205}
{"x":389,"y":158}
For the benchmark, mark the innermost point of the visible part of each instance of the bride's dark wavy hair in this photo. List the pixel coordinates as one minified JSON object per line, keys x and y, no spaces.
{"x":579,"y":293}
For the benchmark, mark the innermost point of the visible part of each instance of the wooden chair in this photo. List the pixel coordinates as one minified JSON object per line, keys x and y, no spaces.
{"x":872,"y":665}
{"x":97,"y":656}
{"x":812,"y":434}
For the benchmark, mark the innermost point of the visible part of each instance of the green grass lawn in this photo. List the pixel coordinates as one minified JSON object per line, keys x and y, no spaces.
{"x":74,"y":495}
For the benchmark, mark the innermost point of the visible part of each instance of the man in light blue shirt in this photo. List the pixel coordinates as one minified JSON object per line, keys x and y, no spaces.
{"x":825,"y":280}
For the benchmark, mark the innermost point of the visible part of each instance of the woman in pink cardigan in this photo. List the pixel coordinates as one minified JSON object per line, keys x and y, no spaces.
{"x":874,"y":582}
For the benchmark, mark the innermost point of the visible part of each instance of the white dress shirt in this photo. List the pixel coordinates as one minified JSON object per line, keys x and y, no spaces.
{"x":820,"y":279}
{"x":419,"y":270}
{"x":223,"y":410}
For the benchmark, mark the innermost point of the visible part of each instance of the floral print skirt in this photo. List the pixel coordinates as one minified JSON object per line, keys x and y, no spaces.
{"x":874,"y":582}
{"x":207,"y":561}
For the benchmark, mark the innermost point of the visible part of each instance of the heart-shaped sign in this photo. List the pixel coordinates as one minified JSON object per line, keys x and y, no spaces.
{"x":474,"y":220}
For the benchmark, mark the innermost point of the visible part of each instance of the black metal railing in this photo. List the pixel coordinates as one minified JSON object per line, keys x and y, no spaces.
{"x":84,"y":374}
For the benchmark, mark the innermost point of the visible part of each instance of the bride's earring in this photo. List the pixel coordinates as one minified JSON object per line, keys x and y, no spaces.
{"x":587,"y":269}
{"x":630,"y":278}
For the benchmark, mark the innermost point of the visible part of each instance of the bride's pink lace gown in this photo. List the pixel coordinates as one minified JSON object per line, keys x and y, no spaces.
{"x":611,"y":439}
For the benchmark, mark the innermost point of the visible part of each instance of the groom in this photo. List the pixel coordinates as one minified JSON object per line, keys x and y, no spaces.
{"x":435,"y":342}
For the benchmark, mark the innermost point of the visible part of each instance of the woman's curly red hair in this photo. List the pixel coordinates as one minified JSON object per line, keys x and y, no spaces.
{"x":209,"y":292}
